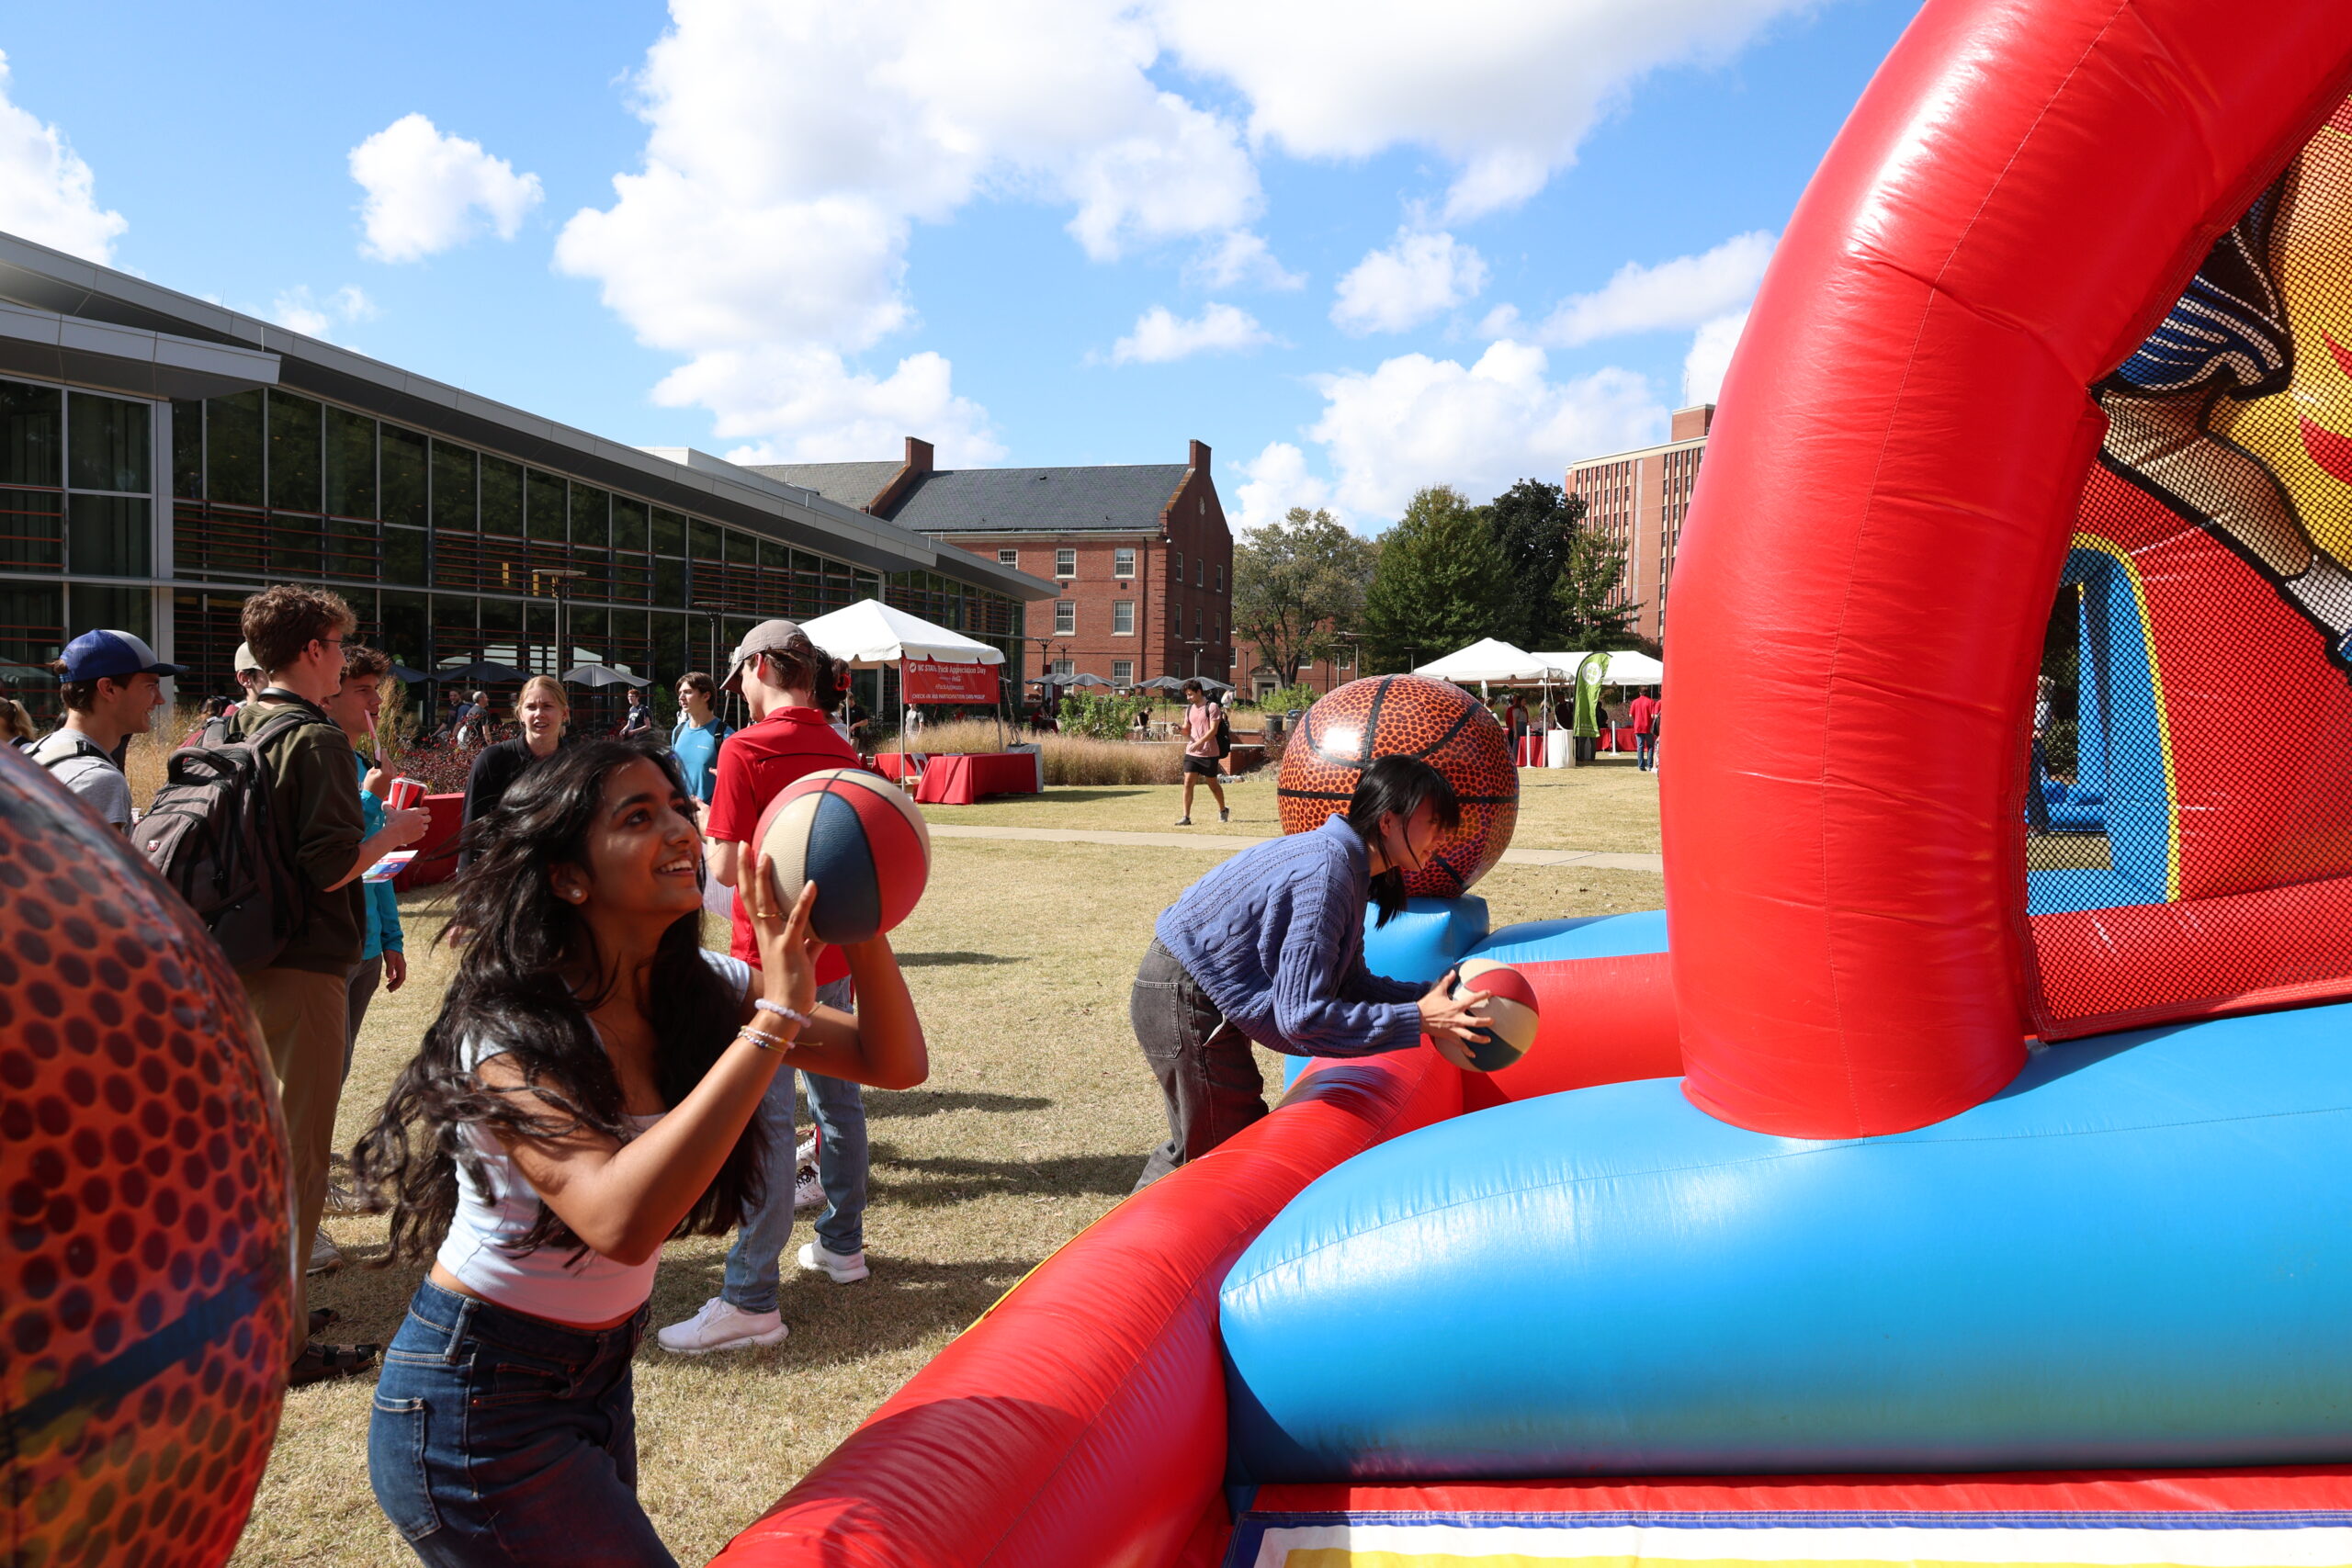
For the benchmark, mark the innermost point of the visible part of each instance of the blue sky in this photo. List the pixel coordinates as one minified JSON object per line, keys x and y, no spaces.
{"x":1334,"y":240}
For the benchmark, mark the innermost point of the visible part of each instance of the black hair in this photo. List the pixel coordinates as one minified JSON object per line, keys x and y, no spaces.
{"x":513,"y":988}
{"x":1399,"y":784}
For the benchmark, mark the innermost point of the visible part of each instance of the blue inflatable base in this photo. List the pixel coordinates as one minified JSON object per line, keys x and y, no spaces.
{"x":2139,"y":1254}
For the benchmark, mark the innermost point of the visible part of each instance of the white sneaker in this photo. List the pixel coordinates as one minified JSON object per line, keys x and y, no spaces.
{"x":818,"y":1259}
{"x":804,"y":1153}
{"x":722,"y":1326}
{"x":807,"y":1190}
{"x":324,"y":1255}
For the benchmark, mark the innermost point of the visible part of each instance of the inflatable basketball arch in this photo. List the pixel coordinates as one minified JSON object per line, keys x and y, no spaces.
{"x":1959,"y":1169}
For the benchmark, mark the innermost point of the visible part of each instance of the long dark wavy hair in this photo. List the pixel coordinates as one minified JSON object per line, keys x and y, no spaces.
{"x":1398,"y":785}
{"x":513,"y":992}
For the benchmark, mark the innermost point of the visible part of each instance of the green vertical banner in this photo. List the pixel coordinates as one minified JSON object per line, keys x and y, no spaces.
{"x":1590,"y":674}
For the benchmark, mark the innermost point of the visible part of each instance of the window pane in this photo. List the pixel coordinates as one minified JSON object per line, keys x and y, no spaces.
{"x":32,"y":529}
{"x":295,"y":544}
{"x":107,"y":536}
{"x":188,"y":445}
{"x":741,"y":548}
{"x":1008,"y":558}
{"x":774,"y":557}
{"x":354,"y":548}
{"x":109,"y":442}
{"x":1123,"y":671}
{"x":1123,"y":617}
{"x":294,"y":443}
{"x":233,"y":448}
{"x":455,"y":641}
{"x":545,"y":501}
{"x":668,"y":581}
{"x":453,"y":486}
{"x":1122,"y":563}
{"x":502,"y":497}
{"x":404,"y":480}
{"x":1064,"y":616}
{"x":629,"y":523}
{"x":669,"y":533}
{"x":591,"y":521}
{"x":407,"y":630}
{"x":403,"y":550}
{"x":31,"y":435}
{"x":590,"y":633}
{"x":502,"y":631}
{"x":116,"y":609}
{"x":351,"y":464}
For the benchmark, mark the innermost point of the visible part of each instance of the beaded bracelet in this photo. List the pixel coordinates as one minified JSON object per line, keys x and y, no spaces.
{"x":762,"y":1038}
{"x":802,"y":1019}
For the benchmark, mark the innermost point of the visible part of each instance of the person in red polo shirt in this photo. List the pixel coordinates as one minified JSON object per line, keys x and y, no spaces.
{"x":788,"y":683}
{"x":1646,"y":711}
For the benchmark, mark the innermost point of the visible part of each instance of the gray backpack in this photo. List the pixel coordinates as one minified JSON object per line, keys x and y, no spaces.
{"x":212,"y":833}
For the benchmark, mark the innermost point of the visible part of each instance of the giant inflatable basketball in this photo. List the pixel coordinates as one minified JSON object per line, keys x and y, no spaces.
{"x":146,"y":1283}
{"x":1407,"y":715}
{"x":859,"y":838}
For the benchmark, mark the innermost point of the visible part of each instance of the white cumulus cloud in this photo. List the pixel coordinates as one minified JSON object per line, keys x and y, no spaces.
{"x":1417,"y":420}
{"x":1161,"y":336}
{"x":1675,"y":295}
{"x":792,"y":147}
{"x":298,"y":310}
{"x":1503,"y":89}
{"x":1420,"y":276}
{"x":428,"y":191}
{"x":1275,"y":480}
{"x":806,"y":406}
{"x":1710,"y":357}
{"x":48,"y":195}
{"x":1240,"y":259}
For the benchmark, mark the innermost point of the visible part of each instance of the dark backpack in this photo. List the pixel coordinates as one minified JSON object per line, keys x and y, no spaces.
{"x":212,"y":833}
{"x":1223,"y":733}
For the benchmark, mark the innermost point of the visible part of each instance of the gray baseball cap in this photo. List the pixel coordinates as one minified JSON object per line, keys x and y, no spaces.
{"x":245,"y":659}
{"x":768,"y":636}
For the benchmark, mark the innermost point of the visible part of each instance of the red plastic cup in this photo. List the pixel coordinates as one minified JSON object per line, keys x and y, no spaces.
{"x":406,"y":793}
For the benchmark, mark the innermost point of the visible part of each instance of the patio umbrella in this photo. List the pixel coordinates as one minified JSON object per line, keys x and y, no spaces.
{"x":1067,"y":681}
{"x":485,"y":670}
{"x":602,"y":675}
{"x":403,"y":673}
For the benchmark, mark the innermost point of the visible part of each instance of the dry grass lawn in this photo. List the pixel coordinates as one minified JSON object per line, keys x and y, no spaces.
{"x":1036,"y":1119}
{"x":1609,"y":806}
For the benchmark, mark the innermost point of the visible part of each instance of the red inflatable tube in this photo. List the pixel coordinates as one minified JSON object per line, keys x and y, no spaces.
{"x":1081,"y":1419}
{"x":1866,"y":571}
{"x":1601,"y":1020}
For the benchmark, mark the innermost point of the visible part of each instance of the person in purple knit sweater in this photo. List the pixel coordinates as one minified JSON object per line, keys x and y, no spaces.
{"x":1269,"y":947}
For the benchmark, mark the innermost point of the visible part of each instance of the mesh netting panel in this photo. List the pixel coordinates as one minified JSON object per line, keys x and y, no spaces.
{"x":2188,"y":811}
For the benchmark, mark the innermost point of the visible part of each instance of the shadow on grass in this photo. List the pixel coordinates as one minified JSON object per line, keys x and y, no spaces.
{"x":907,"y":1302}
{"x":951,"y":960}
{"x":938,"y":1101}
{"x":917,"y":1182}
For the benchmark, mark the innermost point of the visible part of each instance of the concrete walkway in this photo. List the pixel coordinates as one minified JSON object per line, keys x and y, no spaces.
{"x":1228,"y":843}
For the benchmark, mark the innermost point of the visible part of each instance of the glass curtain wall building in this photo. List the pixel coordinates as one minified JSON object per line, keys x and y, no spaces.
{"x":142,"y":488}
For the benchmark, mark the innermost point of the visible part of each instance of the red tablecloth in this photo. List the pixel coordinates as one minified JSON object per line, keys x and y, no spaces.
{"x":1531,"y":751}
{"x":898,"y":766}
{"x":961,"y":778}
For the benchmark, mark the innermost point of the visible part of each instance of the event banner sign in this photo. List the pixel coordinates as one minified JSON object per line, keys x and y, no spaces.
{"x":925,"y":681}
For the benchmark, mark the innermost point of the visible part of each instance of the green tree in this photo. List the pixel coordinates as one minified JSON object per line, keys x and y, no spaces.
{"x":1295,"y":583}
{"x":1535,"y":525}
{"x":1584,"y":613}
{"x":1442,"y":582}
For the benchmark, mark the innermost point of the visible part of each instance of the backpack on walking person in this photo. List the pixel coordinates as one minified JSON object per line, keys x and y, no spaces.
{"x":1224,"y":732}
{"x":212,"y":833}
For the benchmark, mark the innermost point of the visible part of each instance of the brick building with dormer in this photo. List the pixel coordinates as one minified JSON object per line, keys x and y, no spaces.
{"x":1141,"y":552}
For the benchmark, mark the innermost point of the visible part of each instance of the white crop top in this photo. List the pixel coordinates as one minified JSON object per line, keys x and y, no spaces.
{"x":490,"y":1219}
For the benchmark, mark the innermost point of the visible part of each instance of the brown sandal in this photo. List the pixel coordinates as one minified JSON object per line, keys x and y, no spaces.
{"x":323,"y":1319}
{"x":325,"y":1363}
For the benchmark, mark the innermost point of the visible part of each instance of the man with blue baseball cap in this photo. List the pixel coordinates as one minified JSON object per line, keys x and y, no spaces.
{"x":111,"y":685}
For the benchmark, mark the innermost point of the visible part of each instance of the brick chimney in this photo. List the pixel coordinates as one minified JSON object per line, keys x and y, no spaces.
{"x":1197,"y":456}
{"x":893,"y":495}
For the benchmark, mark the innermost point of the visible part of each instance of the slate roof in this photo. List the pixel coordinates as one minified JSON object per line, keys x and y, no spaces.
{"x":852,"y":484}
{"x":1125,"y":498}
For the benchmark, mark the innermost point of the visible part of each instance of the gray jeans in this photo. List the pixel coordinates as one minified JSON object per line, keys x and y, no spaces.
{"x":1206,"y":1072}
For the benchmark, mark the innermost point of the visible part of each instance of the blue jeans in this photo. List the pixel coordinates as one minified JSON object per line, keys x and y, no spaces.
{"x":499,"y":1438}
{"x":753,"y":1264}
{"x":1646,"y":751}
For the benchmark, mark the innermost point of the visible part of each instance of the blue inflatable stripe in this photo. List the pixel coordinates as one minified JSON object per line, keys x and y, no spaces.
{"x":1592,"y":936}
{"x":2138,"y":1255}
{"x":841,"y":863}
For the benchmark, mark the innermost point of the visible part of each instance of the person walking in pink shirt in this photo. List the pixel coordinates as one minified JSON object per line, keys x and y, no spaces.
{"x":1202,"y":751}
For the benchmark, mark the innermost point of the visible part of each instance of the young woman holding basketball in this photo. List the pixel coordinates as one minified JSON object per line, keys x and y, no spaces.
{"x":586,"y":1093}
{"x":1269,"y":947}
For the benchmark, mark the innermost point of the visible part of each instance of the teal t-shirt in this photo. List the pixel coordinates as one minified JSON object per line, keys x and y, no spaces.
{"x":697,"y":747}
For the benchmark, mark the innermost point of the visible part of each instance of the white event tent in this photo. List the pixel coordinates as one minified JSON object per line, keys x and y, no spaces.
{"x":870,"y":633}
{"x":1625,"y":668}
{"x":1488,"y":660}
